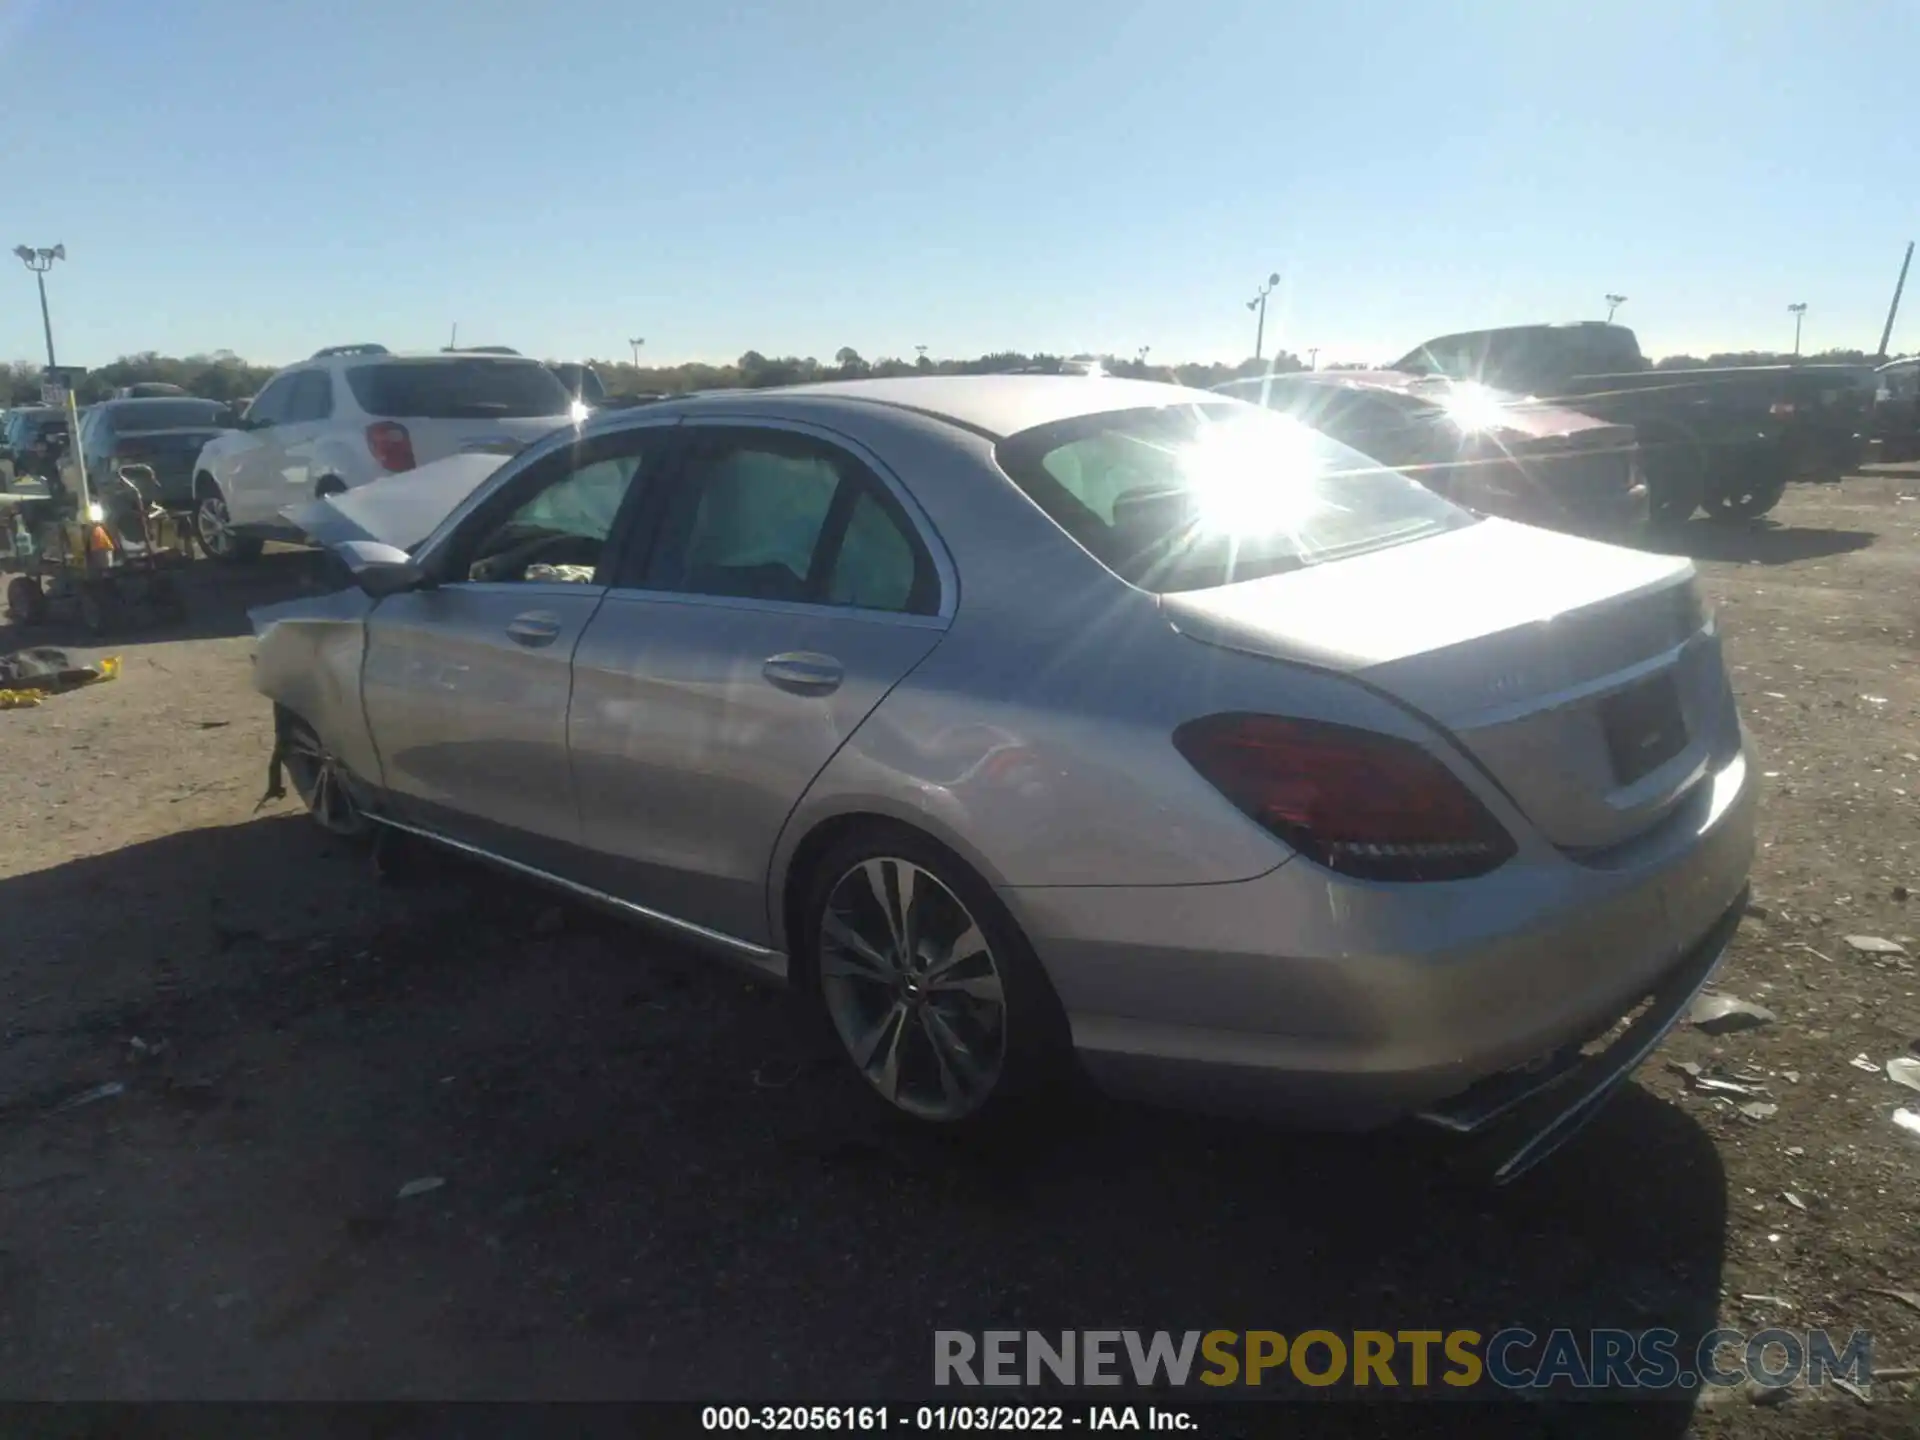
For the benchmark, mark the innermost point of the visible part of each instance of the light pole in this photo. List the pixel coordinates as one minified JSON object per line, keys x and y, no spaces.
{"x":1799,"y":313}
{"x":1313,"y":357}
{"x":1259,"y":304}
{"x":40,"y":261}
{"x":636,"y":341}
{"x":1140,"y":356}
{"x":1614,"y":302}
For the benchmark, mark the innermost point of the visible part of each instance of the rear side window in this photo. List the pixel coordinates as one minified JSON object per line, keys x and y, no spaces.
{"x":1194,"y":496}
{"x":468,"y":388}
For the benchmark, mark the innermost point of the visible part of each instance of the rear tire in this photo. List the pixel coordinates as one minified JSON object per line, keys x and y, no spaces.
{"x":1745,"y":499}
{"x":322,"y":782}
{"x":1676,"y":477}
{"x":932,"y":993}
{"x":213,"y":529}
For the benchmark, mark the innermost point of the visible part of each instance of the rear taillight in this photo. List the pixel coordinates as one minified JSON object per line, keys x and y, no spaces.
{"x":1360,"y":803}
{"x":391,"y":446}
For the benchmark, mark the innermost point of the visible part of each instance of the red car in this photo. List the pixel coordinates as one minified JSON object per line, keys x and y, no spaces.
{"x":1484,"y":449}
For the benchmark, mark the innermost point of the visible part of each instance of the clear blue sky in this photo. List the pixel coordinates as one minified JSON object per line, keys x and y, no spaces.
{"x":972,"y":175}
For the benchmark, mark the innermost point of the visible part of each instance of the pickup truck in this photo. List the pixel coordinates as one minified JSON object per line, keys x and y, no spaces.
{"x":1726,"y":440}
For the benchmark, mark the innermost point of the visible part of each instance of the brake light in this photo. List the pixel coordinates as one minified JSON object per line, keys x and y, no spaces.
{"x":1360,"y":803}
{"x":390,"y":445}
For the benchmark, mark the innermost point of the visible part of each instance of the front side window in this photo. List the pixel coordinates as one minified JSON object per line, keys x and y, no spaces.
{"x":1189,"y":497}
{"x":557,"y":530}
{"x":268,"y":405}
{"x":311,"y":398}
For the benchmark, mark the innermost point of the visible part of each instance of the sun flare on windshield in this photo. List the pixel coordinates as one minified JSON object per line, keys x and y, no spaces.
{"x":1473,"y":406}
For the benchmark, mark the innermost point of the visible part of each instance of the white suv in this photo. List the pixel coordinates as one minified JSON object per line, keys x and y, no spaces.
{"x":352,"y":414}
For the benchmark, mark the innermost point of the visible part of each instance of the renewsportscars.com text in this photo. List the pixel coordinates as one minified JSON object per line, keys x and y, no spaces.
{"x":1439,"y":1360}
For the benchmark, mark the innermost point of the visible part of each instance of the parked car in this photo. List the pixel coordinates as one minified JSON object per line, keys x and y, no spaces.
{"x":1487,"y":450}
{"x":35,"y":436}
{"x":354,"y":413}
{"x":166,"y":435}
{"x":1896,"y":409}
{"x":582,"y":381}
{"x":1011,"y":720}
{"x":1727,"y":439}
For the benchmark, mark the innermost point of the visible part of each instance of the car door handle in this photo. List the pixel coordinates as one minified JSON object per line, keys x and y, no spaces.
{"x":534,"y":629}
{"x":804,"y":673}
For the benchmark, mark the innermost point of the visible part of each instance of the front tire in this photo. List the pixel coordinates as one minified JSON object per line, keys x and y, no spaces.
{"x":322,"y":782}
{"x":936,"y":998}
{"x":213,"y":529}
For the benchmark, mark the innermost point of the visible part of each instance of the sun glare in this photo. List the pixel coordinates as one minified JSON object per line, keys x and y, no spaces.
{"x":1473,"y":407}
{"x":1254,"y":476}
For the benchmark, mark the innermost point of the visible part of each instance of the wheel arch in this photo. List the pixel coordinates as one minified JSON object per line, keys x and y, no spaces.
{"x":806,"y":840}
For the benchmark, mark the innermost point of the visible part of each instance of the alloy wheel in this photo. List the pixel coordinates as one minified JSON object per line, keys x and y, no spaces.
{"x":913,"y":988}
{"x":214,"y":526}
{"x":320,"y":781}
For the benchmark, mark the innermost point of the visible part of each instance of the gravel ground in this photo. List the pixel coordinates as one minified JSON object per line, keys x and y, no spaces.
{"x":656,"y":1183}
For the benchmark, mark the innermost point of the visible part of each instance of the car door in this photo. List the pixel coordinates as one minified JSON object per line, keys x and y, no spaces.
{"x":302,"y":423}
{"x":466,"y":684}
{"x":253,"y":457}
{"x":787,"y":585}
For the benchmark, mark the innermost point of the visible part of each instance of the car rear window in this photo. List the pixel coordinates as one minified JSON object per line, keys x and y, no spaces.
{"x":168,"y":415}
{"x":470,"y":388}
{"x":1193,"y":496}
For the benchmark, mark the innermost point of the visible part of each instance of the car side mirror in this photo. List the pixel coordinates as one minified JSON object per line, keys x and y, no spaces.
{"x":382,"y":570}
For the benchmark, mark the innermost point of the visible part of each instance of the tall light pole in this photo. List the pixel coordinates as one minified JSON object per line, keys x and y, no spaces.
{"x":1313,"y":357}
{"x":1259,"y":304}
{"x":1614,"y":302}
{"x":1140,"y":356}
{"x":1799,"y":313}
{"x":636,"y":341}
{"x":40,"y":261}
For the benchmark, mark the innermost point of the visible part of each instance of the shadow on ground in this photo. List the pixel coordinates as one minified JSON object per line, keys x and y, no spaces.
{"x":658,"y":1181}
{"x":217,"y":597}
{"x":1760,"y":542}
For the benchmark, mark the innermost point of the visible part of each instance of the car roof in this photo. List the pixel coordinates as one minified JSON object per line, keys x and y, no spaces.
{"x":134,"y":402}
{"x":991,"y":405}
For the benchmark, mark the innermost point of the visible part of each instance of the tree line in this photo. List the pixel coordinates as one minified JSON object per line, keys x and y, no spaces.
{"x":223,"y":375}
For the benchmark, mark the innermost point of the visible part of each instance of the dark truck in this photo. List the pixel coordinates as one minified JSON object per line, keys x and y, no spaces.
{"x":1726,"y":440}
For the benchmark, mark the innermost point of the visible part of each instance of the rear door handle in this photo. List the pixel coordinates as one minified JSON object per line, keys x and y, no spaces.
{"x":804,"y":673}
{"x":534,"y":629}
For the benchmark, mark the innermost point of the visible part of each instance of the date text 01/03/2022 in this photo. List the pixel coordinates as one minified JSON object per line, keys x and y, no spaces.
{"x":990,"y":1419}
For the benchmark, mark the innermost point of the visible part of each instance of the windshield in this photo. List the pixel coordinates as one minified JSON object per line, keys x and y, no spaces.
{"x":1191,"y":497}
{"x":464,"y":389}
{"x":169,"y":415}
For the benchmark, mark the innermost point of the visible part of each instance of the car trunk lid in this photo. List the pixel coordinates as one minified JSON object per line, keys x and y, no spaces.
{"x":1578,"y":675}
{"x":171,"y":453}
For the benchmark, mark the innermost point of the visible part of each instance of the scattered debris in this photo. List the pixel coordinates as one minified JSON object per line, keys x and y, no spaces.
{"x":1793,"y":1200}
{"x":425,"y":1185}
{"x":214,"y":724}
{"x":1904,"y":1070}
{"x":1796,"y":1149}
{"x":1727,"y":1015}
{"x":1769,"y":1300}
{"x":1757,"y":1110}
{"x":1792,"y":1077}
{"x":776,"y":1075}
{"x":1896,"y":1372}
{"x":1908,"y":1121}
{"x":1759,"y":911}
{"x":1811,"y":951}
{"x":1909,"y":1298}
{"x":1901,"y":894}
{"x":1861,"y":1062}
{"x":1875,"y":945}
{"x":1711,"y":1082}
{"x":87,"y":1097}
{"x":1852,"y":1389}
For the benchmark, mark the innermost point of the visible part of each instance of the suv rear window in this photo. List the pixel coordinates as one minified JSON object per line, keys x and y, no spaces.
{"x":469,"y":388}
{"x":168,"y":415}
{"x":1193,"y":496}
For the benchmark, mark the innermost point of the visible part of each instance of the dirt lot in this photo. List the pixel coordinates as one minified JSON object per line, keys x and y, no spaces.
{"x":656,"y":1185}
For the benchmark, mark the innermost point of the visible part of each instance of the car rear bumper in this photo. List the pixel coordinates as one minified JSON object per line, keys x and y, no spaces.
{"x":1307,"y":997}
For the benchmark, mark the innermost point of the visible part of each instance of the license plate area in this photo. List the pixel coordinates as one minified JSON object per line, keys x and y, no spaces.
{"x":1644,"y":727}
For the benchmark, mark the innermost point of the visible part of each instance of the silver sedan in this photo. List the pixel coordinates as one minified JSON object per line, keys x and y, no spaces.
{"x":1023,"y":719}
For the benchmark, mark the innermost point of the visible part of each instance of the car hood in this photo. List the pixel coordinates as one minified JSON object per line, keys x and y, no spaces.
{"x":400,"y":510}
